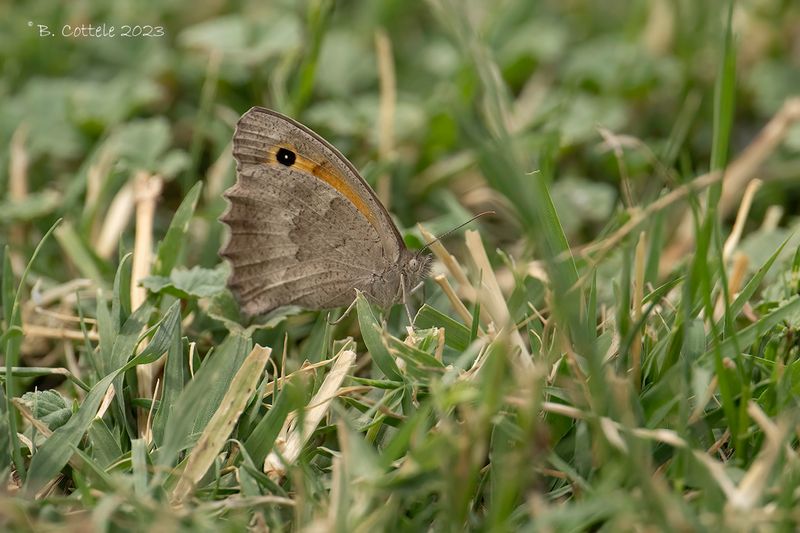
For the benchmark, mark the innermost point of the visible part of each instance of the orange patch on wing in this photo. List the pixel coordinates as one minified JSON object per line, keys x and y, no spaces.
{"x":335,"y":180}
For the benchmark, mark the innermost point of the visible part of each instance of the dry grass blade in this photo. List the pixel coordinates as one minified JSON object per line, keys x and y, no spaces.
{"x":752,"y":486}
{"x":249,"y":503}
{"x":740,"y":172}
{"x":106,"y":403}
{"x":457,"y":304}
{"x":738,"y":272}
{"x":275,"y":464}
{"x":388,"y":104}
{"x":26,"y":413}
{"x":117,"y":218}
{"x":32,"y":330}
{"x":147,"y":189}
{"x":493,"y":300}
{"x":18,"y":185}
{"x":741,"y":217}
{"x":221,"y":424}
{"x":65,"y":292}
{"x":450,"y":263}
{"x":601,"y":248}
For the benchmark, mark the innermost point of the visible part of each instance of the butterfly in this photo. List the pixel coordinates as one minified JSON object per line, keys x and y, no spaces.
{"x":305,"y":228}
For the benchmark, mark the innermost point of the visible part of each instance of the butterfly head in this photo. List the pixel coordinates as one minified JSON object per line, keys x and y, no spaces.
{"x":417,"y":268}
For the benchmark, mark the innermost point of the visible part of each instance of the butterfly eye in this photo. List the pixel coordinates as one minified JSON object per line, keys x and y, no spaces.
{"x":286,"y":157}
{"x":412,"y":265}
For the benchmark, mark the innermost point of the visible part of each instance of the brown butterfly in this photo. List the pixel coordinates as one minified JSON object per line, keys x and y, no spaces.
{"x":306,"y":229}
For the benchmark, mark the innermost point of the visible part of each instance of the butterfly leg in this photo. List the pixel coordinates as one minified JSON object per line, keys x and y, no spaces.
{"x":420,"y":285}
{"x":405,"y":300}
{"x":344,"y":315}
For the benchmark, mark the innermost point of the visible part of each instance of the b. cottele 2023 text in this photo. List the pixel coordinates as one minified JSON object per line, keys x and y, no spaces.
{"x":108,"y":31}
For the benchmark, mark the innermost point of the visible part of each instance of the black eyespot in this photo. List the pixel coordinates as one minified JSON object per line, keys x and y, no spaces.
{"x":285,"y":157}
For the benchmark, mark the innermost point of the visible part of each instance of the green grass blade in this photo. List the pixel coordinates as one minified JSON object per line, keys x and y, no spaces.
{"x":80,"y":254}
{"x":139,"y":466}
{"x":13,"y":343}
{"x":58,"y":448}
{"x":12,"y":340}
{"x":724,"y":100}
{"x":456,"y":334}
{"x":219,"y":428}
{"x":201,"y":398}
{"x":124,"y":345}
{"x":420,"y":365}
{"x":317,"y":17}
{"x":749,"y":335}
{"x":36,"y":371}
{"x":8,"y":289}
{"x":289,"y":398}
{"x":371,"y":332}
{"x":176,"y":375}
{"x":170,"y":248}
{"x":121,"y":292}
{"x":105,"y":449}
{"x":319,"y":341}
{"x":93,"y":471}
{"x":750,"y":288}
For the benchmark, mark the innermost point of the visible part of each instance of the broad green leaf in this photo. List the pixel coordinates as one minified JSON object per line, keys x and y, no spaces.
{"x":140,"y":144}
{"x":49,"y":407}
{"x":196,"y":282}
{"x":224,"y":307}
{"x":33,"y":207}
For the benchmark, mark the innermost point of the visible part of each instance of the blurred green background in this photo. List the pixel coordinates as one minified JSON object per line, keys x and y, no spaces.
{"x":643,"y":69}
{"x":449,"y":108}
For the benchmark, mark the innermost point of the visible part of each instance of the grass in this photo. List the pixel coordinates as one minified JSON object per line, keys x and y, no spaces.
{"x":615,"y":349}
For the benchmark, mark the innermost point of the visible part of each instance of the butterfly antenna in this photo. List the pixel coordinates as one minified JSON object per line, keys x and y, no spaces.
{"x":448,"y":232}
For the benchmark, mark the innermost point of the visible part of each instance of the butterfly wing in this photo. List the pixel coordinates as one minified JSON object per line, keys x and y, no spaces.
{"x":306,"y":229}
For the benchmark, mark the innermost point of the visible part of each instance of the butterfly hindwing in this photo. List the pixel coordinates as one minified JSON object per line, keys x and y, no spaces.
{"x":305,"y":229}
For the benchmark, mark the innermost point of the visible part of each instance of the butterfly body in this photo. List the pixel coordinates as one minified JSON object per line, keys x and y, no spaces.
{"x":306,"y":229}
